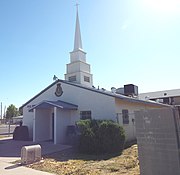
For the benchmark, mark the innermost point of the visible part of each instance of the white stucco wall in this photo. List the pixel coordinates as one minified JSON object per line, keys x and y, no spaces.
{"x":28,"y":121}
{"x":101,"y":106}
{"x":130,"y":131}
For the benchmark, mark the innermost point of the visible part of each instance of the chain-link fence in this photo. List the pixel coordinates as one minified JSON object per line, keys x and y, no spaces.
{"x":7,"y":126}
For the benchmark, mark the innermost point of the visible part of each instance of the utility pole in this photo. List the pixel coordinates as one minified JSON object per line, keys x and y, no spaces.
{"x":1,"y":111}
{"x":4,"y":112}
{"x":4,"y":115}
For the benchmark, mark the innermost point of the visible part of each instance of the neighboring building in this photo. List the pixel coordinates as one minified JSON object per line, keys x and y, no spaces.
{"x":17,"y":120}
{"x":61,"y":104}
{"x":171,"y":97}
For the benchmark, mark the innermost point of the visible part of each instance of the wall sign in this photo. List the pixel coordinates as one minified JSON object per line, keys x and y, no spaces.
{"x":59,"y":90}
{"x":30,"y":106}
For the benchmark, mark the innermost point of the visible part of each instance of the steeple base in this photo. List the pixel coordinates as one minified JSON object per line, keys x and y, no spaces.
{"x":78,"y":55}
{"x":82,"y":78}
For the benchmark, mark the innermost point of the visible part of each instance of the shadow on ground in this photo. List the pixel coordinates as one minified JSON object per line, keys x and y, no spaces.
{"x":13,"y":166}
{"x":73,"y":154}
{"x":12,"y":148}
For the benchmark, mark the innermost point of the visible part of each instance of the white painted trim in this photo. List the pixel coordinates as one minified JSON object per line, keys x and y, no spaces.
{"x":55,"y":125}
{"x":34,"y":125}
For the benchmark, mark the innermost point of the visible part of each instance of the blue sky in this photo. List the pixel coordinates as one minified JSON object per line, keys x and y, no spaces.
{"x":126,"y":41}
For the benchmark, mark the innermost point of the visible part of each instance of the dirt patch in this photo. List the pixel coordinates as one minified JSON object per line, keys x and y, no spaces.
{"x":69,"y":162}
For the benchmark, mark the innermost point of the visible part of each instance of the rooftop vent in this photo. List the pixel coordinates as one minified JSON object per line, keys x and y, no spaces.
{"x":113,"y":90}
{"x":120,"y":90}
{"x":131,"y":90}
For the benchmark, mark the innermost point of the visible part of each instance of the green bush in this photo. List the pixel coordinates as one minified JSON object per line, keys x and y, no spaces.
{"x":100,"y":136}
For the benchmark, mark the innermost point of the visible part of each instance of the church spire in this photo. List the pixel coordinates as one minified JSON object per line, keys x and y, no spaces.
{"x":77,"y":38}
{"x":78,"y":71}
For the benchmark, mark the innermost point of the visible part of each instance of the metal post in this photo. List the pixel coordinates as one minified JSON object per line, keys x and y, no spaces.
{"x":9,"y":128}
{"x":4,"y":112}
{"x":1,"y":111}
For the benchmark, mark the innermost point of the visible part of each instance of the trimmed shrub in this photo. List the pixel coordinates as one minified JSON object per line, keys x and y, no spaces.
{"x":112,"y":137}
{"x":100,"y":136}
{"x":21,"y":133}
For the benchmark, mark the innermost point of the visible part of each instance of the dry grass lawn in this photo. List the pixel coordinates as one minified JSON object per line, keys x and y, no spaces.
{"x":4,"y":136}
{"x":71,"y":163}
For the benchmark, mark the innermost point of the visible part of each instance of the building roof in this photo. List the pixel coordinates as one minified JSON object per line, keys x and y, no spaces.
{"x":160,"y":94}
{"x":18,"y":117}
{"x":58,"y":104}
{"x":101,"y":91}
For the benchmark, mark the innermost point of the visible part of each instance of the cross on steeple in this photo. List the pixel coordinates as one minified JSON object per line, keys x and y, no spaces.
{"x":77,"y":6}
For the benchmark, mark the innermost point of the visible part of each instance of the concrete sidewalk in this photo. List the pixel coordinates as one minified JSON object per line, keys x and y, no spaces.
{"x":11,"y":169}
{"x":10,"y":151}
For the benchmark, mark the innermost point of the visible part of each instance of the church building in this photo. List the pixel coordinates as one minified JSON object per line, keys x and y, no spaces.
{"x":49,"y":113}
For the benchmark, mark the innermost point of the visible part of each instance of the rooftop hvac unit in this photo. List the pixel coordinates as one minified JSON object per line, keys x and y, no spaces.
{"x":131,"y":90}
{"x":30,"y":154}
{"x":120,"y":90}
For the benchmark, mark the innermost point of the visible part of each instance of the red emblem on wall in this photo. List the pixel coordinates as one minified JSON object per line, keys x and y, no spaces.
{"x":59,"y":90}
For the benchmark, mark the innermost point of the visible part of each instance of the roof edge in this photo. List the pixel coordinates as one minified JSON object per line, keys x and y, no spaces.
{"x":39,"y":93}
{"x":125,"y":98}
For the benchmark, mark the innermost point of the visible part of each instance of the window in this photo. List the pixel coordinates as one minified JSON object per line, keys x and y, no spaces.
{"x":166,"y":100}
{"x":72,"y":78}
{"x":125,"y":116}
{"x":87,"y":79}
{"x":85,"y":115}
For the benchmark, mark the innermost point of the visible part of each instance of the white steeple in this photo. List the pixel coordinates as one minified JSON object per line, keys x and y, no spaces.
{"x":78,"y":71}
{"x":77,"y":39}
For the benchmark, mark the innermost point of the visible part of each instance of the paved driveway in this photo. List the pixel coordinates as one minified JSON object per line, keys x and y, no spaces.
{"x":10,"y":150}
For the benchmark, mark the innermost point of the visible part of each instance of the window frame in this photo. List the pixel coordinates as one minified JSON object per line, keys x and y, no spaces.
{"x":85,"y":115}
{"x":87,"y":79}
{"x":125,"y":116}
{"x":72,"y":78}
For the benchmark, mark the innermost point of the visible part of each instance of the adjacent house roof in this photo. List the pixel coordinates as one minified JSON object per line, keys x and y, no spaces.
{"x":101,"y":91}
{"x":18,"y":117}
{"x":160,"y":94}
{"x":58,"y":104}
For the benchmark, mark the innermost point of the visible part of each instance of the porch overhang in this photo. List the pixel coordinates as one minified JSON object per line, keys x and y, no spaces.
{"x":58,"y":104}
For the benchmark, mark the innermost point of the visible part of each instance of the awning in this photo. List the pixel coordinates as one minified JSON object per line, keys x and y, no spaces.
{"x":58,"y":104}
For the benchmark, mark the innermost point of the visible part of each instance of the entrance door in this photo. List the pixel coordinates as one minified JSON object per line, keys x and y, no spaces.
{"x":52,"y":126}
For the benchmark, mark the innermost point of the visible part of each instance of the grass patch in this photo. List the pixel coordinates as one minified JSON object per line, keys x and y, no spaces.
{"x":70,"y":162}
{"x":3,"y":136}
